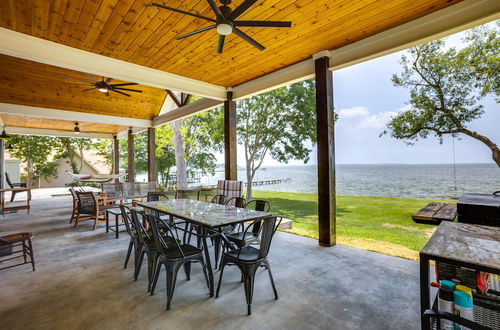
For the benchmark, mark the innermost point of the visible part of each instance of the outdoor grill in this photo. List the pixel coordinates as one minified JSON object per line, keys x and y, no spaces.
{"x":481,"y":209}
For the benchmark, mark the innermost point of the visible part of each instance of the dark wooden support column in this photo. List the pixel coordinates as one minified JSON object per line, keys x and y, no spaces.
{"x":326,"y":152}
{"x":152,"y":173}
{"x":2,"y":163}
{"x":230,"y":138}
{"x":116,"y":157}
{"x":131,"y":158}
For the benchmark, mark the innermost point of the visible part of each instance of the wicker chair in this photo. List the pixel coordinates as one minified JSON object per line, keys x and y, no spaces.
{"x":89,"y":209}
{"x":75,"y":204}
{"x":249,"y":259}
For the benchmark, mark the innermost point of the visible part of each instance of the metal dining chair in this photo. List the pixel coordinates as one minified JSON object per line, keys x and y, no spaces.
{"x":253,"y":234}
{"x":250,"y":258}
{"x":172,"y":257}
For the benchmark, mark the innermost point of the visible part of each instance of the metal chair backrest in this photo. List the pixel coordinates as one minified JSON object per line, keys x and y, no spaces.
{"x":126,"y":219}
{"x":87,"y":202}
{"x":236,"y":201}
{"x":269,"y":226}
{"x":159,"y":242}
{"x":142,"y":233}
{"x":219,"y":199}
{"x":258,"y":205}
{"x":156,"y":196}
{"x":8,"y":180}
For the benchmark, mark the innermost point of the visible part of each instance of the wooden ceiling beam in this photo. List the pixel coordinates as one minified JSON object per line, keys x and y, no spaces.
{"x":453,"y":19}
{"x":38,"y":112}
{"x":35,"y":49}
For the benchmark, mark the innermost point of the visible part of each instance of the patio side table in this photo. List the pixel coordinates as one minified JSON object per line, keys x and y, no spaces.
{"x":474,"y":247}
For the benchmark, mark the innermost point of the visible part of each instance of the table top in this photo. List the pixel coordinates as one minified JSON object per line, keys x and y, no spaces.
{"x":473,"y":244}
{"x":208,"y":214}
{"x":15,"y":189}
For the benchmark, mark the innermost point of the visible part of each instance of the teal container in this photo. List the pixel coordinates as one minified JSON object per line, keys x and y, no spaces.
{"x":463,"y":307}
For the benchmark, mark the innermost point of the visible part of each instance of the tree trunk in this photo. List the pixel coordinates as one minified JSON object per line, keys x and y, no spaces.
{"x":249,"y":182}
{"x":29,"y":169}
{"x":82,"y":158}
{"x":180,"y":161}
{"x":495,"y":151}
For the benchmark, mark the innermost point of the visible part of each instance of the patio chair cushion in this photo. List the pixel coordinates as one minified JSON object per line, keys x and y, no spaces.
{"x":248,"y":253}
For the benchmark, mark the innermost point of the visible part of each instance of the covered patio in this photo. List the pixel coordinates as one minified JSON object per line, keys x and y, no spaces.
{"x":80,"y":281}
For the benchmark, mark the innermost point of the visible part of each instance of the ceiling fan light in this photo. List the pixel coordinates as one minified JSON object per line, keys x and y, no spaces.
{"x":103,"y":90}
{"x":224,"y":29}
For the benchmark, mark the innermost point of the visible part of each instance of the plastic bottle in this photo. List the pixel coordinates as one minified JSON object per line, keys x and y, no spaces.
{"x":445,"y":302}
{"x":463,"y":307}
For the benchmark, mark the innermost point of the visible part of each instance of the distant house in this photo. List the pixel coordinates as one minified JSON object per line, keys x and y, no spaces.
{"x":93,"y":164}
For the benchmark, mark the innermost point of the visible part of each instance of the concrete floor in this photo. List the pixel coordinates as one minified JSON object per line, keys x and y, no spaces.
{"x":80,"y":283}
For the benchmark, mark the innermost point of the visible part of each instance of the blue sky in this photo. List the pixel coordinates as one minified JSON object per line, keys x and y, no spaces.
{"x":365,"y":98}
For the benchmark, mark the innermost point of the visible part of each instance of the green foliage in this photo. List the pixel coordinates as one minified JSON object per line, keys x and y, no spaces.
{"x":67,"y":148}
{"x":281,"y":123}
{"x":203,"y":134}
{"x":104,"y":148}
{"x":445,"y":88}
{"x":35,"y":152}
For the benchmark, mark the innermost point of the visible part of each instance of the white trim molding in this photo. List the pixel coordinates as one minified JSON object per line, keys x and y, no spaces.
{"x":54,"y":132}
{"x":40,"y":50}
{"x":453,"y":19}
{"x":38,"y":112}
{"x":189,"y":109}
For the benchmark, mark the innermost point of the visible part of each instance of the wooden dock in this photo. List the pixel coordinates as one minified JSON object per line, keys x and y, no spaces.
{"x":268,"y":182}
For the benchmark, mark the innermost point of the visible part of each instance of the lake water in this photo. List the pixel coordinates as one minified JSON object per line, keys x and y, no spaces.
{"x":419,"y":181}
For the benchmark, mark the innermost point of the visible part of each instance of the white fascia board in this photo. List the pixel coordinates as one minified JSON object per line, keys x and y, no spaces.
{"x":40,"y":50}
{"x":54,"y":132}
{"x":38,"y":112}
{"x":453,"y":19}
{"x":135,"y":130}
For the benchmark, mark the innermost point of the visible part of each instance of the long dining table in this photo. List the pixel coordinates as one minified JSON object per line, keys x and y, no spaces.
{"x":205,"y":216}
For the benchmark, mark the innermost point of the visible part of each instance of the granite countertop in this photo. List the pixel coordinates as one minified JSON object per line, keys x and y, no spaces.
{"x":209,"y":214}
{"x":475,"y":244}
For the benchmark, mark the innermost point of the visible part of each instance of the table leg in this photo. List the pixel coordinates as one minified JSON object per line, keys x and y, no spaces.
{"x":117,"y":234}
{"x":424,"y":290}
{"x":207,"y":257}
{"x":107,"y":222}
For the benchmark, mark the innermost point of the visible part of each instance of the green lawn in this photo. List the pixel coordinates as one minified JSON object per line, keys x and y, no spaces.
{"x":381,"y":224}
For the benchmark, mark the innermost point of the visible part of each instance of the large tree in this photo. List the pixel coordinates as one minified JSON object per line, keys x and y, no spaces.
{"x":69,"y":148}
{"x":35,"y":151}
{"x":446,"y":86}
{"x":280,"y":123}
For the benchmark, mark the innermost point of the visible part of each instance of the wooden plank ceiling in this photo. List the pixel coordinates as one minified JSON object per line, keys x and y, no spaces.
{"x":134,"y":31}
{"x":36,"y":84}
{"x":63,"y":125}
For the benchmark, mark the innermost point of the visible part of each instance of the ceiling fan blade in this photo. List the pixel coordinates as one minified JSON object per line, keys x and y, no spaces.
{"x":114,"y":90}
{"x":245,"y":37}
{"x":183,"y":12}
{"x":73,"y":78}
{"x":263,"y":23}
{"x":89,"y":89}
{"x":88,"y":76}
{"x":215,"y":8}
{"x":220,"y":44}
{"x":124,"y":84}
{"x":241,"y":8}
{"x":196,"y":32}
{"x":127,"y":89}
{"x":109,"y":80}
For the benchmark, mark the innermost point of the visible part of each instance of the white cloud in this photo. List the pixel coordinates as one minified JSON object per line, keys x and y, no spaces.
{"x":378,"y":120}
{"x":358,"y":111}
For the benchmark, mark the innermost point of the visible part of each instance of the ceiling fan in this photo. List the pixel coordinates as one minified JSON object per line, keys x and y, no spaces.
{"x":77,"y":131}
{"x":105,"y":86}
{"x":226,"y":23}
